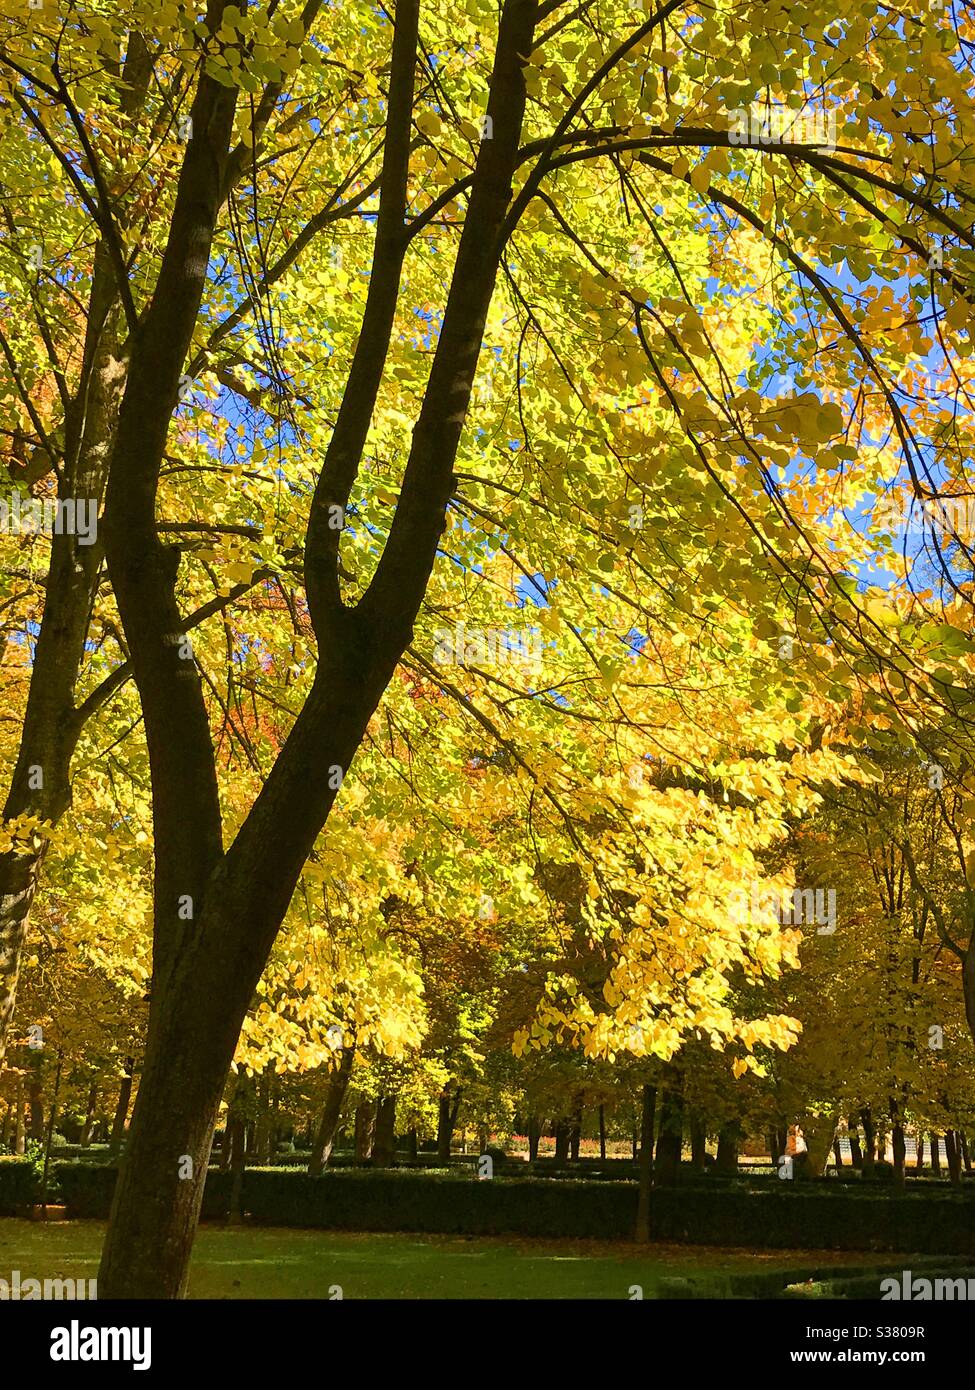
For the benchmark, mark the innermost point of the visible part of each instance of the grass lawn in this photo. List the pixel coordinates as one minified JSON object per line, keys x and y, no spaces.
{"x":271,"y":1262}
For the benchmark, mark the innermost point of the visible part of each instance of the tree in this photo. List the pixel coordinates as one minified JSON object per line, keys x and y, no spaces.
{"x":645,"y":409}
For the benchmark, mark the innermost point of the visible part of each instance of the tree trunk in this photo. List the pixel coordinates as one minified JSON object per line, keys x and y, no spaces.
{"x":561,"y":1141}
{"x":446,"y":1120}
{"x":869,"y":1139}
{"x":935,"y":1154}
{"x":384,"y":1140}
{"x":89,"y":1125}
{"x":19,"y":873}
{"x":275,"y":1117}
{"x":953,"y":1153}
{"x":237,"y":1134}
{"x":699,"y":1144}
{"x":575,"y":1134}
{"x":226,"y":1147}
{"x":919,"y":1154}
{"x":666,"y":1163}
{"x":262,"y":1124}
{"x":963,"y":1146}
{"x":534,"y":1136}
{"x":968,"y":984}
{"x":242,"y":1102}
{"x":40,"y":783}
{"x":411,"y":1144}
{"x":837,"y":1155}
{"x":338,"y":1084}
{"x":365,"y":1125}
{"x":775,"y":1152}
{"x":648,"y":1108}
{"x":726,"y":1158}
{"x":122,"y":1108}
{"x":602,"y":1133}
{"x":20,"y":1136}
{"x":900,"y":1149}
{"x":52,"y":1118}
{"x":818,"y":1131}
{"x":35,"y":1098}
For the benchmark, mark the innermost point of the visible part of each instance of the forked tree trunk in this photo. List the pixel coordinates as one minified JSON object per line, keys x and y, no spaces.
{"x":207,"y":964}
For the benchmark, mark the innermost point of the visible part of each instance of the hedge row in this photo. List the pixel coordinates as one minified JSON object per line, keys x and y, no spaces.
{"x":20,"y":1185}
{"x":86,"y":1190}
{"x":821,"y":1218}
{"x":818,"y":1217}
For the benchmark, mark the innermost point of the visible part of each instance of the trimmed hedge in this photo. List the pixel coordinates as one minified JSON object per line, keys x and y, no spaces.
{"x":86,"y":1189}
{"x":779,"y":1216}
{"x":816,"y":1219}
{"x":20,"y":1185}
{"x":448,"y":1205}
{"x":771,"y":1219}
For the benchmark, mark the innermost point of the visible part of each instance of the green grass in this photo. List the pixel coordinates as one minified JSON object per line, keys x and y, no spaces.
{"x":270,"y":1262}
